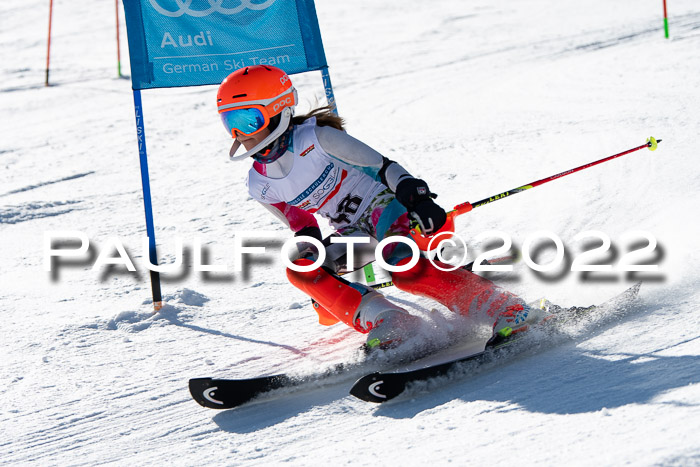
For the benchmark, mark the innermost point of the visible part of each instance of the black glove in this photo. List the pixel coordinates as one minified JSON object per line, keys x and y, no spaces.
{"x":310,"y":231}
{"x":415,"y":195}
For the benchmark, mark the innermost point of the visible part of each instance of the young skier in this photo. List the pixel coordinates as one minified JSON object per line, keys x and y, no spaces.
{"x":306,"y":165}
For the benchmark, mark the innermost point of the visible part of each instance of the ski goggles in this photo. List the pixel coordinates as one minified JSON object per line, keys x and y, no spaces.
{"x":251,"y":117}
{"x":244,"y":121}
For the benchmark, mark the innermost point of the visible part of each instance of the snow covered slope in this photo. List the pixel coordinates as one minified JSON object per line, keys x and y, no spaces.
{"x":475,"y":97}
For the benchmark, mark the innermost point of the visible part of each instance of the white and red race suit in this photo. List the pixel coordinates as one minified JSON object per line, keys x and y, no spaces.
{"x":326,"y":172}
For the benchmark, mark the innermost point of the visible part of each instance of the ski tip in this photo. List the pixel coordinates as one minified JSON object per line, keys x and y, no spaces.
{"x":376,"y":387}
{"x":366,"y":387}
{"x":203,"y":392}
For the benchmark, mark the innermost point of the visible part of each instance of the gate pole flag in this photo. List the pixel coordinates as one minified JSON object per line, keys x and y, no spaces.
{"x":176,"y":43}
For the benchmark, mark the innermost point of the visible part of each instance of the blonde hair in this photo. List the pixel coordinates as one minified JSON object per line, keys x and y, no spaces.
{"x":324,"y":117}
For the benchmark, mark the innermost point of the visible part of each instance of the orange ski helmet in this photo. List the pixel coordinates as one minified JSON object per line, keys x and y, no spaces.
{"x":250,"y":97}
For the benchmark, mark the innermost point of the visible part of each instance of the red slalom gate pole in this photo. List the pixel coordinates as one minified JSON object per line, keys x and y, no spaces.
{"x":665,"y":20}
{"x":48,"y":46}
{"x":424,"y":242}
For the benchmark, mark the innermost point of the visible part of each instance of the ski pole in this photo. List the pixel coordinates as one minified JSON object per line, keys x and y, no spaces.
{"x":424,"y":242}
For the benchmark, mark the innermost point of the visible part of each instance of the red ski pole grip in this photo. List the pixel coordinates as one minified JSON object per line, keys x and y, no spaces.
{"x":463,"y":208}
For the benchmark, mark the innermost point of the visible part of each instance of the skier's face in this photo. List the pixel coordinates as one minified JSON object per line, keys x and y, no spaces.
{"x":250,"y":141}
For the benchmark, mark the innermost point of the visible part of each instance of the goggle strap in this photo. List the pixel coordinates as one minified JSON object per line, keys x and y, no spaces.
{"x":263,"y":102}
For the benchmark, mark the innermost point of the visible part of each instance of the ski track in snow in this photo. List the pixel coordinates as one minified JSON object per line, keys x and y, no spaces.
{"x":476,"y":98}
{"x":31,"y":211}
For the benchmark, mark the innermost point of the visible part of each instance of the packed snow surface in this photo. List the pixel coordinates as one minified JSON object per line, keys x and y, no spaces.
{"x":476,"y":98}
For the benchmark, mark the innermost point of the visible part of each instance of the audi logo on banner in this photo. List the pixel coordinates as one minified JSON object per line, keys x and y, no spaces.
{"x":184,"y":7}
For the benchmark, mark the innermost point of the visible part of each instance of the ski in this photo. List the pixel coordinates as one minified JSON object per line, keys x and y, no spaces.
{"x":223,"y":393}
{"x":380,"y":387}
{"x":230,"y":393}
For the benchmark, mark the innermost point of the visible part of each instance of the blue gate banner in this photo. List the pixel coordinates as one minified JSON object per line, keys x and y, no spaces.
{"x":175,"y":43}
